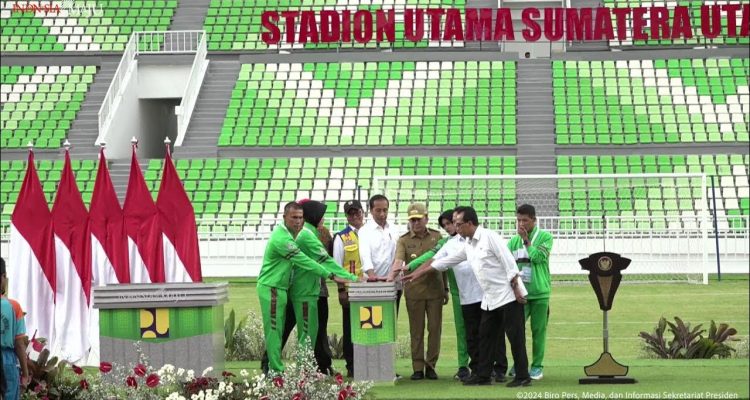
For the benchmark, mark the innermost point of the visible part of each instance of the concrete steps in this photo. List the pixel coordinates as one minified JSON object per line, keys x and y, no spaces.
{"x":208,"y":117}
{"x":85,"y":129}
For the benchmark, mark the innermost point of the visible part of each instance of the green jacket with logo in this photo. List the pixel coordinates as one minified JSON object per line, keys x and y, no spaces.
{"x":539,"y":250}
{"x":281,"y":255}
{"x":306,"y":283}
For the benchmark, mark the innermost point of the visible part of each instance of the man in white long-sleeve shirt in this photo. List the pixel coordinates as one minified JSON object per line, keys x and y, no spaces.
{"x":503,"y":294}
{"x":377,"y":242}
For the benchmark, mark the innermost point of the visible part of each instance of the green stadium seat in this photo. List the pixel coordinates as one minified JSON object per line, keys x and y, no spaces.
{"x":650,"y":101}
{"x":32,"y":114}
{"x":105,"y":26}
{"x":342,"y":104}
{"x":666,"y":196}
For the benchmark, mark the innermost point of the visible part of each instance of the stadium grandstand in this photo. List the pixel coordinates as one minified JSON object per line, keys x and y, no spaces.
{"x":617,"y":142}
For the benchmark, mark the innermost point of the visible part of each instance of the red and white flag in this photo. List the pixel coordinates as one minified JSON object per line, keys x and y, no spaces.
{"x":109,"y":245}
{"x":31,"y":266}
{"x":70,"y":221}
{"x":143,"y":230}
{"x":182,"y":259}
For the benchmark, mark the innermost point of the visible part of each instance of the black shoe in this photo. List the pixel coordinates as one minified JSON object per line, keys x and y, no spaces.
{"x":500,"y":378}
{"x":476,"y":380}
{"x":431,"y":375}
{"x":519,"y":382}
{"x":462,"y":374}
{"x":417,"y":376}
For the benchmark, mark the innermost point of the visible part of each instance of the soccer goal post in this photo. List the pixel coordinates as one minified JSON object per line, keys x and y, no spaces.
{"x":660,"y":221}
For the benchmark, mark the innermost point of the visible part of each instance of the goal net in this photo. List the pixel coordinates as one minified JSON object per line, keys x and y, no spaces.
{"x":660,"y":221}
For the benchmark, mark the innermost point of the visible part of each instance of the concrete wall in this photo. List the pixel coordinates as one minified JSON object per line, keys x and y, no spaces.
{"x":124,"y":125}
{"x":131,"y":115}
{"x":162,"y":81}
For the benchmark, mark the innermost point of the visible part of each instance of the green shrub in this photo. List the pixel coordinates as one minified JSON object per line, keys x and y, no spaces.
{"x":688,"y":342}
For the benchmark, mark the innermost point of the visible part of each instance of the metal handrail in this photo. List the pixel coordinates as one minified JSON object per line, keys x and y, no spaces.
{"x":113,"y":92}
{"x":192,"y":89}
{"x":147,"y":42}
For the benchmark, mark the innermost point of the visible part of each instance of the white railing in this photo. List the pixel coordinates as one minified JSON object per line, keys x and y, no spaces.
{"x":114,"y":93}
{"x":192,"y":89}
{"x":169,"y":42}
{"x":678,"y":248}
{"x":150,"y":42}
{"x":678,"y":245}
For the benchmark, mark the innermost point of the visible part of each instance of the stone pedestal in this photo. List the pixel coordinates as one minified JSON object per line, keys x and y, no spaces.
{"x":373,"y":316}
{"x":176,"y":323}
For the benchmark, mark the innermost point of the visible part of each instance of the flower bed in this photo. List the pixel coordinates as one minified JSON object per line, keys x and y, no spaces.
{"x":300,"y":381}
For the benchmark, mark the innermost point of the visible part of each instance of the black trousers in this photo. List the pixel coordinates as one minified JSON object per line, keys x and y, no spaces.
{"x":510,"y":319}
{"x":347,"y":337}
{"x":472,"y":314}
{"x":322,"y":349}
{"x":500,"y":366}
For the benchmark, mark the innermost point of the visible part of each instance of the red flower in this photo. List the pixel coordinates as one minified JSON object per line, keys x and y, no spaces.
{"x":265,"y":398}
{"x":227,"y":374}
{"x":278,"y":382}
{"x":343,"y":394}
{"x":140,"y":370}
{"x":339,"y":379}
{"x":152,"y":380}
{"x":298,"y":396}
{"x":78,"y":370}
{"x":105,"y":367}
{"x":37,"y":345}
{"x":352,"y":393}
{"x":84,"y":384}
{"x":40,"y":387}
{"x":131,"y":382}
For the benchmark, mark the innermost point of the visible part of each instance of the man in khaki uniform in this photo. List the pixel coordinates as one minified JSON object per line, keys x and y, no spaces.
{"x":425,"y":297}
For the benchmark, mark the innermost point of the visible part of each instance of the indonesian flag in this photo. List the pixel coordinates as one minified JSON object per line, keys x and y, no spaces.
{"x":182,"y":259}
{"x":31,"y":266}
{"x":70,"y":221}
{"x":109,"y":249}
{"x":142,"y":227}
{"x":109,"y":245}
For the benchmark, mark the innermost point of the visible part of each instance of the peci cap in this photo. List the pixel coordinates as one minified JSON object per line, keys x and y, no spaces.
{"x":352,"y":205}
{"x":416,"y":210}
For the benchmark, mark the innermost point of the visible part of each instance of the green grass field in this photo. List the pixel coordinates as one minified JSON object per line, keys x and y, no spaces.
{"x":575,"y":340}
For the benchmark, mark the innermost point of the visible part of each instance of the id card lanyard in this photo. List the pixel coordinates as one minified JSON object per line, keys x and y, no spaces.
{"x":524,"y":263}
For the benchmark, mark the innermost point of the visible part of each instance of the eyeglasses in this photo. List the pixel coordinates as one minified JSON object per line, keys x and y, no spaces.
{"x":458,"y":224}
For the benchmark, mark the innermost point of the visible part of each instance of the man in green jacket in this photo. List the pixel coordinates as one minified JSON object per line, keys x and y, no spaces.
{"x":531,"y":248}
{"x":306,"y":285}
{"x":281,"y":255}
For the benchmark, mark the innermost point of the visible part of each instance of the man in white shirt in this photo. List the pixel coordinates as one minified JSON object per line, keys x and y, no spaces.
{"x":502,"y":299}
{"x":377,"y":243}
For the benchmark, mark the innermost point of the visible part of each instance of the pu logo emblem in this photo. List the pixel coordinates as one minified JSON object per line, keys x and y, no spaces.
{"x":371,"y":317}
{"x":154,"y":323}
